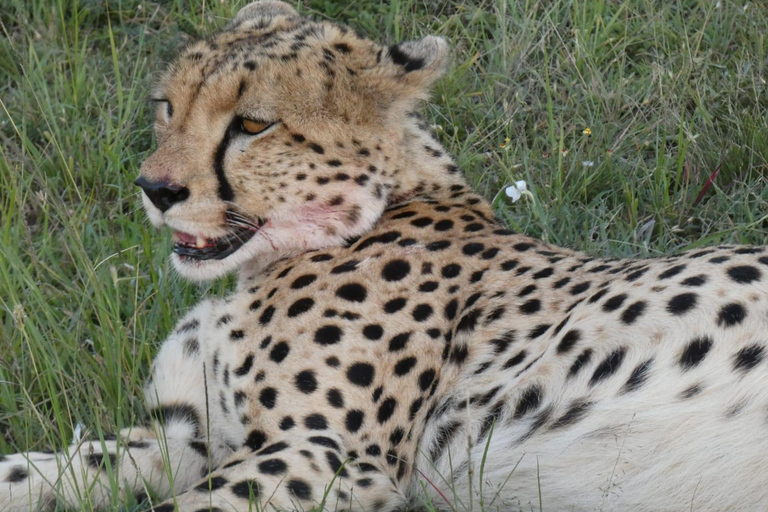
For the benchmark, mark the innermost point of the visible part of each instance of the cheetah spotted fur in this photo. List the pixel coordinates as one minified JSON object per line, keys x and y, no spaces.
{"x":389,"y":341}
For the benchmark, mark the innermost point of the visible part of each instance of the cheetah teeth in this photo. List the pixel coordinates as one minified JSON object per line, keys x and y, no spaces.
{"x":199,"y":241}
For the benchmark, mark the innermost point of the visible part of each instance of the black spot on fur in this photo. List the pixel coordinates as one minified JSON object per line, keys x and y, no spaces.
{"x":306,"y":382}
{"x":608,"y":366}
{"x":273,"y":448}
{"x":401,"y":58}
{"x":273,"y":467}
{"x":633,"y":312}
{"x":316,"y":148}
{"x":404,"y":366}
{"x":444,"y":435}
{"x":682,"y":303}
{"x":569,"y":341}
{"x":266,"y":315}
{"x":399,"y":341}
{"x":490,"y":420}
{"x":578,"y":288}
{"x":279,"y":352}
{"x":212,"y":484}
{"x":538,"y":331}
{"x":335,"y":464}
{"x":268,"y":397}
{"x":695,"y":352}
{"x":335,"y":398}
{"x":731,"y":314}
{"x":361,"y":374}
{"x":373,"y":332}
{"x":303,"y":281}
{"x":394,"y":305}
{"x":244,"y":368}
{"x":345,"y":267}
{"x":694,"y":280}
{"x":255,"y":440}
{"x":300,"y":489}
{"x":748,"y":357}
{"x":614,"y":302}
{"x":691,"y":391}
{"x":300,"y":306}
{"x":638,"y":377}
{"x":177,"y":413}
{"x":744,"y":274}
{"x":575,"y":412}
{"x":352,"y":292}
{"x":316,"y":422}
{"x":422,"y":312}
{"x":354,"y":420}
{"x":395,"y":270}
{"x":671,"y":272}
{"x":98,"y":460}
{"x":529,"y":401}
{"x":635,"y":275}
{"x":541,"y":274}
{"x":515,"y":360}
{"x":451,"y":271}
{"x":244,"y":490}
{"x":328,"y":335}
{"x":530,"y":307}
{"x":468,"y":322}
{"x":386,"y":410}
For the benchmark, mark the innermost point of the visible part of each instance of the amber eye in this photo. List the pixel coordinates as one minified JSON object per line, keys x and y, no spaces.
{"x":253,"y":127}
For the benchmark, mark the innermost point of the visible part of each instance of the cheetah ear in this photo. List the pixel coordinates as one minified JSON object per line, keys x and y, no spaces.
{"x":418,"y":64}
{"x":263,"y":9}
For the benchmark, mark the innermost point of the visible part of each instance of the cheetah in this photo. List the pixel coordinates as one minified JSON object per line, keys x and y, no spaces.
{"x":390,"y":343}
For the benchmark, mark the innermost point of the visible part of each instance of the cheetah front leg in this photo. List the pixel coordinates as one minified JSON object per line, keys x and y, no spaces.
{"x":168,"y":456}
{"x":90,"y":472}
{"x":310,"y":471}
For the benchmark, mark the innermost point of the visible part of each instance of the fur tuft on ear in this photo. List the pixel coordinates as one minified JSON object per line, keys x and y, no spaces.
{"x":263,"y":9}
{"x":405,"y":72}
{"x":429,"y":55}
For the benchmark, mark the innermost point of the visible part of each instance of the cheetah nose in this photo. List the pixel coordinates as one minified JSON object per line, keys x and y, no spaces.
{"x":162,"y":193}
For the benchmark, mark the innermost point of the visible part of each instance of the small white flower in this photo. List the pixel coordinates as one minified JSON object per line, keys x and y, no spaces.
{"x":515,"y":192}
{"x":587,"y":163}
{"x":78,"y":433}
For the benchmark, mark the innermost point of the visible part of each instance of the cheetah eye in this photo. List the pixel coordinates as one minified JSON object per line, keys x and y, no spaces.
{"x":253,"y":126}
{"x":167,"y":112}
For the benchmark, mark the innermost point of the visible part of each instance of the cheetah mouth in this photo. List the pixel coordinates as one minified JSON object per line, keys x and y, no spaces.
{"x":198,"y":248}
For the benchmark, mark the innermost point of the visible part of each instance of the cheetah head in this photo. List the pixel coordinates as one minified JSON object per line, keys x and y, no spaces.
{"x":279,"y":135}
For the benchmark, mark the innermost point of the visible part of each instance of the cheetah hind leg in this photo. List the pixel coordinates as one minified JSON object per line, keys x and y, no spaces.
{"x":91,"y":471}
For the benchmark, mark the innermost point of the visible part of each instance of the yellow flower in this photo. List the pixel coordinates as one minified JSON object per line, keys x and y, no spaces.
{"x":504,"y":144}
{"x":587,"y":131}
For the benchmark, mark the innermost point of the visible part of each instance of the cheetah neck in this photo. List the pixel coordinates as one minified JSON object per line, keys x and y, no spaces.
{"x":423,"y":169}
{"x":416,"y":169}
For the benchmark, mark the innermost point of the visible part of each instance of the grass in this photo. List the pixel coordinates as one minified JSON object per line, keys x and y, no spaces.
{"x":671,"y":91}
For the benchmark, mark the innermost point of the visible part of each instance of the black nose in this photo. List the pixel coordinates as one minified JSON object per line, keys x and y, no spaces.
{"x":161,"y":193}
